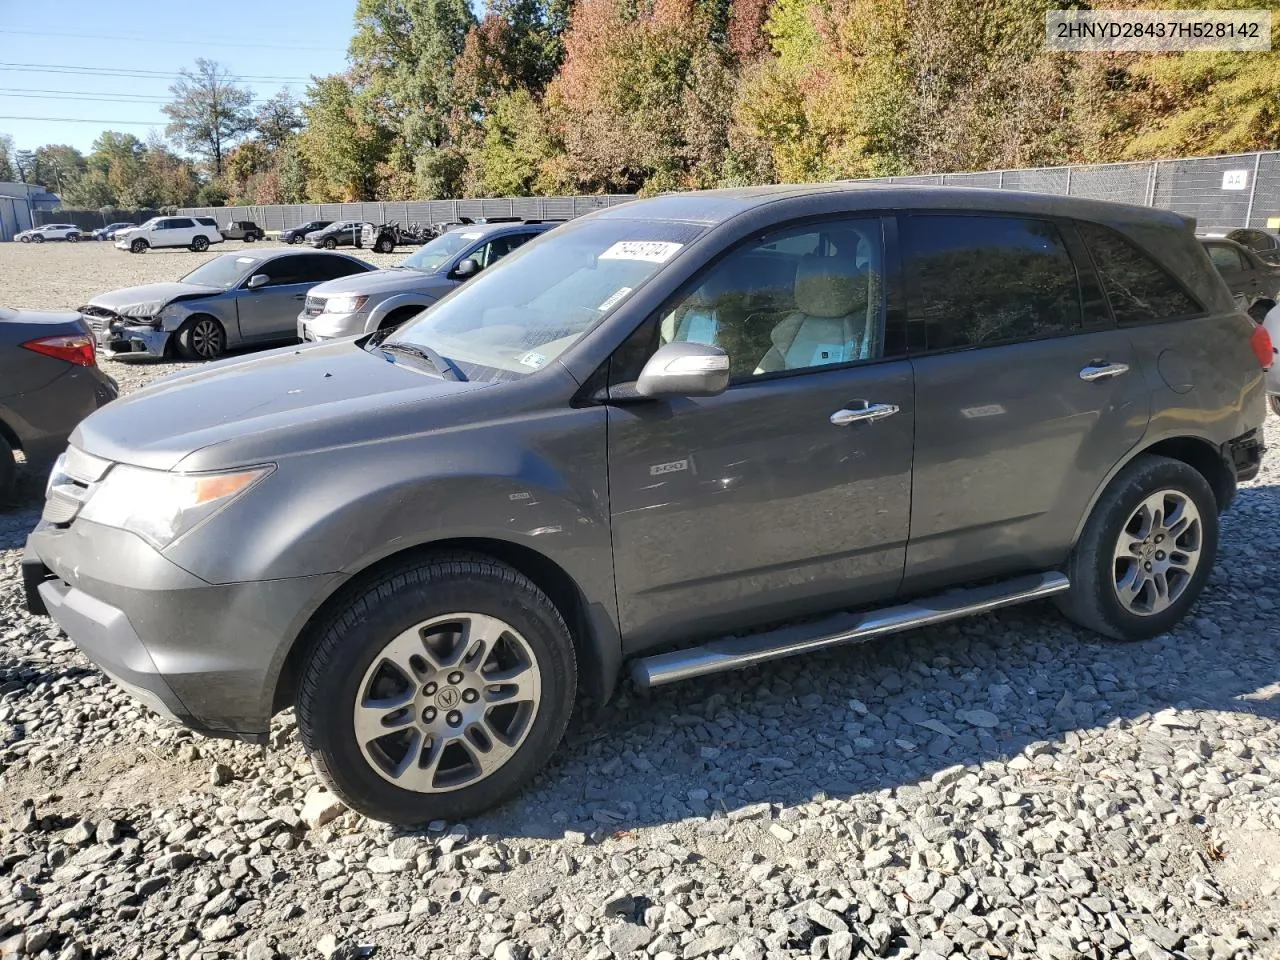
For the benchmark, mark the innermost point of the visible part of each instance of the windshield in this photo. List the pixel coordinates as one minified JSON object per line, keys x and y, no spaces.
{"x":225,"y":272}
{"x":441,"y":250}
{"x":519,"y":315}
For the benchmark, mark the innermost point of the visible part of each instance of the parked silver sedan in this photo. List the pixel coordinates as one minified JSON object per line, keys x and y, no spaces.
{"x":232,"y":301}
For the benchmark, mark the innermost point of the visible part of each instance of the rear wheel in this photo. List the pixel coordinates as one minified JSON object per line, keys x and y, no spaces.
{"x":437,"y":691}
{"x":1274,"y":400}
{"x":201,"y":338}
{"x":8,"y":471}
{"x":200,"y":244}
{"x":1146,"y":551}
{"x":139,"y":246}
{"x":250,"y":237}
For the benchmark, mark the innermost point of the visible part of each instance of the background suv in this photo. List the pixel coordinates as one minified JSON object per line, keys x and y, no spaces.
{"x":194,"y":233}
{"x":1253,"y":282}
{"x":345,"y":233}
{"x":295,"y":234}
{"x":386,"y":298}
{"x":50,"y":231}
{"x":656,"y":434}
{"x":245,"y":230}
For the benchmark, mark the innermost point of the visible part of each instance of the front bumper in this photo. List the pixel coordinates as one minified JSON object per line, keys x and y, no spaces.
{"x":207,"y":655}
{"x":120,"y":340}
{"x":330,"y":326}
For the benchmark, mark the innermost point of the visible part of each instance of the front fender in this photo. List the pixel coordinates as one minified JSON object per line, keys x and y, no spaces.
{"x":175,"y":314}
{"x":393,"y":303}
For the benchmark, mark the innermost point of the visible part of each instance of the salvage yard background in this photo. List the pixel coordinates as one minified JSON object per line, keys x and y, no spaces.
{"x":1007,"y":786}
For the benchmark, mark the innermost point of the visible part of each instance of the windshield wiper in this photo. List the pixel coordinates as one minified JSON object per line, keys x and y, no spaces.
{"x":447,"y":368}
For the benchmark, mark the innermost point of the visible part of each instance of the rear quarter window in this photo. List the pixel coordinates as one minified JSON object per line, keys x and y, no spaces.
{"x":1139,"y":289}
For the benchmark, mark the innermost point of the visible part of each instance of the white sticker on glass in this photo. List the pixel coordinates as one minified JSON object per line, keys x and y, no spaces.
{"x":651,"y":251}
{"x":614,"y":299}
{"x":533,"y":359}
{"x":827,"y":353}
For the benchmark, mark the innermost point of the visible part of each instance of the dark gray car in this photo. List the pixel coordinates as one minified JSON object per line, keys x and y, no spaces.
{"x":1253,"y":282}
{"x":694,"y":432}
{"x":49,"y":382}
{"x":235,"y":300}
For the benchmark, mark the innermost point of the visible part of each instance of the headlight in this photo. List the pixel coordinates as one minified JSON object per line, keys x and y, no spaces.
{"x":160,"y":506}
{"x":344,"y":304}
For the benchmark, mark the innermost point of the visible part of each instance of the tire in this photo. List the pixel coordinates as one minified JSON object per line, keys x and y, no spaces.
{"x":200,"y":244}
{"x":330,"y":243}
{"x":353,"y":656}
{"x":201,"y":338}
{"x":384,"y":245}
{"x":1274,"y":401}
{"x":291,"y":240}
{"x":1258,"y":312}
{"x":139,"y":246}
{"x":26,"y":239}
{"x":73,"y":238}
{"x":8,"y":472}
{"x":1098,"y":568}
{"x":250,"y":237}
{"x":38,"y":238}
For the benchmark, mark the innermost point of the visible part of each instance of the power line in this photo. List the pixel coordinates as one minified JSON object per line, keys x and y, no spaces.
{"x":167,"y":40}
{"x":105,"y":123}
{"x":90,"y":97}
{"x":130,"y":72}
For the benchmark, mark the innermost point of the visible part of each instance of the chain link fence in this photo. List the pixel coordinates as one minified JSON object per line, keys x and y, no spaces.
{"x":1222,"y":193}
{"x":281,"y":216}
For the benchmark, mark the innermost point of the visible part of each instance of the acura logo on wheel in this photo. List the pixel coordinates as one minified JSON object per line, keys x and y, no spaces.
{"x":448,"y":698}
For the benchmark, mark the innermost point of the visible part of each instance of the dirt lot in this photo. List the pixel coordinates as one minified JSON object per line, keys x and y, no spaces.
{"x":1008,"y":786}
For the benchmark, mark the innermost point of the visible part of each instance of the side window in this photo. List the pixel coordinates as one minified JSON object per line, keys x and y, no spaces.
{"x":284,"y":270}
{"x":164,"y":225}
{"x":980,"y":281}
{"x":499,"y":247}
{"x":797,"y":298}
{"x":207,"y":221}
{"x":1225,"y":258}
{"x":1140,"y":290}
{"x":321,"y":267}
{"x":182,"y":223}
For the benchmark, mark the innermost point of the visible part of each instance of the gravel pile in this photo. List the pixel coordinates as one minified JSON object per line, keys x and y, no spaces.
{"x":1007,"y":786}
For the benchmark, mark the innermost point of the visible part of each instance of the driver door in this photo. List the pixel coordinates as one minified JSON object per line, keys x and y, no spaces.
{"x":769,"y":501}
{"x":271,"y":311}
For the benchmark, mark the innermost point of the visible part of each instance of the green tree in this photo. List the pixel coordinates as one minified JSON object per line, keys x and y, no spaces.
{"x":343,"y":143}
{"x":60,"y":166}
{"x":8,"y":173}
{"x":208,"y":112}
{"x":278,"y":119}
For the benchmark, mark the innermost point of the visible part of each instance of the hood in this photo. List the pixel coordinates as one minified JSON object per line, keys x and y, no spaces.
{"x":148,"y":299}
{"x":383,"y":281}
{"x":275,"y":404}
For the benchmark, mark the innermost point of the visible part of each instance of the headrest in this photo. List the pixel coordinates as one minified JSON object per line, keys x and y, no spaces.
{"x":825,"y":288}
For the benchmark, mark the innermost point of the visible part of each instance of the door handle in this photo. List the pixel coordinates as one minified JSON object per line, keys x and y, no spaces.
{"x":866,"y":412}
{"x":1100,"y":370}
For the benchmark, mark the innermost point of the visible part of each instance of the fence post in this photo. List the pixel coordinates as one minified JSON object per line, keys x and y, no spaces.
{"x":1068,"y":181}
{"x":1153,"y":180}
{"x":1001,"y":180}
{"x":1253,"y":188}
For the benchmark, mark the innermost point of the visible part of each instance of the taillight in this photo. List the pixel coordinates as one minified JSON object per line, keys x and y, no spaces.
{"x":74,"y":348}
{"x":1263,"y":349}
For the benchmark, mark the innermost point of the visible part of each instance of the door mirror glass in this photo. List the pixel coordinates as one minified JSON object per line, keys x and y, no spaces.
{"x":685,"y":369}
{"x":257,"y":280}
{"x":466,"y":268}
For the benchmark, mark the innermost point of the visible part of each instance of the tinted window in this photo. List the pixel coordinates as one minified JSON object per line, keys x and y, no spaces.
{"x":496,"y":249}
{"x":804,"y":297}
{"x":285,"y":270}
{"x":1140,"y":290}
{"x":207,"y":221}
{"x":181,"y":223}
{"x":321,"y":267}
{"x":978,"y":281}
{"x":1224,"y":257}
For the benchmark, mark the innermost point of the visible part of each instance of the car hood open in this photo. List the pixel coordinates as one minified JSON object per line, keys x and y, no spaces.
{"x":148,"y":299}
{"x":274,"y":404}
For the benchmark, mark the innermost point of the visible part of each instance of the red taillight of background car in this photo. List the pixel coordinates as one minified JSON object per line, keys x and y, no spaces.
{"x":1263,"y":348}
{"x":74,"y":348}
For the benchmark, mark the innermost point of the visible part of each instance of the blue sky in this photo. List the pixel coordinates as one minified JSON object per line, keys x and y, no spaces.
{"x":76,"y":41}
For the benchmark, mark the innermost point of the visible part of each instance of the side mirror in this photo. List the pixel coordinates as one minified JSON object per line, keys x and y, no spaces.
{"x":466,"y":268}
{"x":685,"y":370}
{"x":256,"y":281}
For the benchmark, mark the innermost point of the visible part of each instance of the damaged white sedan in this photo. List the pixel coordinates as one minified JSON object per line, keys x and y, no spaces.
{"x":229,"y":302}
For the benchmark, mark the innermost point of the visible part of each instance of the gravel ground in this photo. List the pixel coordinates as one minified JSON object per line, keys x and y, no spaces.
{"x":1008,"y":786}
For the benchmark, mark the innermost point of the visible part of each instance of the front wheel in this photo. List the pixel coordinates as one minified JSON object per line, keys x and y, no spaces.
{"x":201,"y":338}
{"x":25,"y":239}
{"x":1146,"y":551}
{"x":437,"y":691}
{"x":73,"y":238}
{"x":383,"y":245}
{"x":200,"y":244}
{"x":139,"y":246}
{"x":330,"y":243}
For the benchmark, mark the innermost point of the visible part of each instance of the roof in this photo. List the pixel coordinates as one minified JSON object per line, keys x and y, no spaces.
{"x":484,"y":229}
{"x":710,"y":207}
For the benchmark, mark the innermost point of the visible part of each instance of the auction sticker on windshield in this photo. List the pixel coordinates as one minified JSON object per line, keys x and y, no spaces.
{"x":651,"y":251}
{"x":614,"y":298}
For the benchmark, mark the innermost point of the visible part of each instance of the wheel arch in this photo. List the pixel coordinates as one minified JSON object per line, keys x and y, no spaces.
{"x":596,"y":641}
{"x":1196,"y":452}
{"x":9,"y":435}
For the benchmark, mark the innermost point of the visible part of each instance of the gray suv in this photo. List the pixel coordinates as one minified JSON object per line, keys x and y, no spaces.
{"x":695,"y":432}
{"x":387,"y":298}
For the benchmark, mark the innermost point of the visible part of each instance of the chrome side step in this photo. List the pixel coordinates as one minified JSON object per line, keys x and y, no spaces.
{"x":733,"y":653}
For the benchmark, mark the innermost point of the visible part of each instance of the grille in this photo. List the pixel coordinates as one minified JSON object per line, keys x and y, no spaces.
{"x":74,"y":476}
{"x":98,"y":318}
{"x":314,"y":306}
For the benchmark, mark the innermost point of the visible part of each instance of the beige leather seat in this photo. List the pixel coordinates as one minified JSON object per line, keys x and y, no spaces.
{"x":832,"y":322}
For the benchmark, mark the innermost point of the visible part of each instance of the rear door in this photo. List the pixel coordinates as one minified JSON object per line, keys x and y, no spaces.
{"x":784,"y":495}
{"x":1241,"y":280}
{"x":1026,"y":393}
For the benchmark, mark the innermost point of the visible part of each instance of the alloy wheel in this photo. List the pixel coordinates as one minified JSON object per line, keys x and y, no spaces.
{"x":206,"y":339}
{"x":1157,"y":552}
{"x":447,"y":702}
